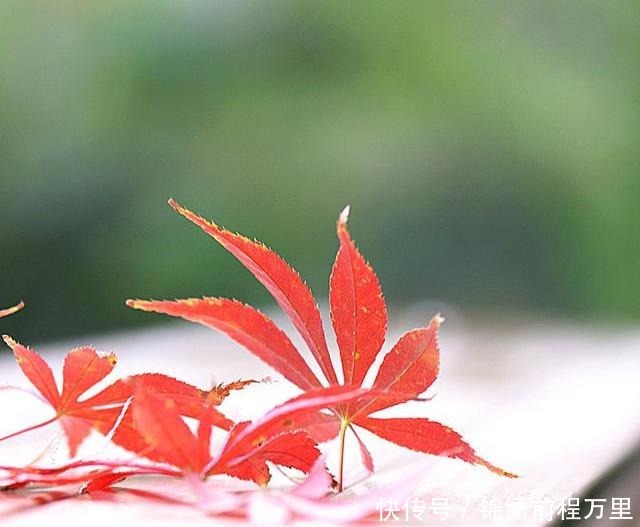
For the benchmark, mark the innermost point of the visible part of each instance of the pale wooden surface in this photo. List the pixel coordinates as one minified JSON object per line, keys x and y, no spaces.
{"x":556,"y":403}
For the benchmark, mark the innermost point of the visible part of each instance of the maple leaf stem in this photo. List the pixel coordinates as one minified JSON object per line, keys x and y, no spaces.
{"x":344,"y":424}
{"x":30,"y":428}
{"x":24,"y":390}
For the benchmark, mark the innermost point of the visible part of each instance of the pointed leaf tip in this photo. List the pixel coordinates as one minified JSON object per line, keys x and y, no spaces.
{"x":437,"y":320}
{"x":9,"y":341}
{"x":136,"y":303}
{"x":178,"y":208}
{"x":344,"y":215}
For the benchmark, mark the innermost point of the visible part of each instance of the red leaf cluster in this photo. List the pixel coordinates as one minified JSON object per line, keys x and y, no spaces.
{"x":359,"y":319}
{"x":168,"y":423}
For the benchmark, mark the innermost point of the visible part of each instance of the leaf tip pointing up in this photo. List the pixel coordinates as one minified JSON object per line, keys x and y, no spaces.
{"x":183,"y":210}
{"x":204,"y":224}
{"x":344,"y":215}
{"x":437,"y":321}
{"x":9,"y":341}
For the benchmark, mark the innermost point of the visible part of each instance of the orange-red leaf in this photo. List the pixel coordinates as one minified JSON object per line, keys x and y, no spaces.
{"x":409,"y":368}
{"x":359,"y":318}
{"x":36,"y":370}
{"x":126,"y":435}
{"x":274,"y":437}
{"x":190,"y":400}
{"x":294,"y":450}
{"x":358,"y":311}
{"x":321,"y":426}
{"x":246,"y":325}
{"x":77,"y":430}
{"x":282,"y":416}
{"x":167,"y":439}
{"x":280,"y":279}
{"x":83,"y":369}
{"x":165,"y":432}
{"x":248,"y":468}
{"x":426,"y":436}
{"x":289,"y":449}
{"x":186,"y":400}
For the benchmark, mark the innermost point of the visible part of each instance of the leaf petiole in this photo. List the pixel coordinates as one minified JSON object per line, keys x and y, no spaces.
{"x":30,"y":428}
{"x":344,"y":424}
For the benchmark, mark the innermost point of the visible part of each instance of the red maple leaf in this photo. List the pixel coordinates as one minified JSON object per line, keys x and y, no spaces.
{"x":159,"y":423}
{"x":248,"y":446}
{"x":83,"y":369}
{"x":359,"y":318}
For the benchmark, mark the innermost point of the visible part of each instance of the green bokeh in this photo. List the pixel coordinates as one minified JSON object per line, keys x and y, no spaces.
{"x":489,"y":151}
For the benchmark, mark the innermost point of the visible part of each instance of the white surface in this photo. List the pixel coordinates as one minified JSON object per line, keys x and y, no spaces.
{"x":556,"y":404}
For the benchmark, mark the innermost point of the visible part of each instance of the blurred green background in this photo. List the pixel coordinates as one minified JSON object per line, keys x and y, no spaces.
{"x":489,"y":150}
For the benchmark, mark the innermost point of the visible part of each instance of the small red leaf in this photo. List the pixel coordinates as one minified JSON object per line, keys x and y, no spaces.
{"x":76,"y":430}
{"x":83,"y":369}
{"x":294,"y":450}
{"x":165,"y":432}
{"x":321,"y":426}
{"x":189,"y":399}
{"x":409,"y":368}
{"x":271,"y":424}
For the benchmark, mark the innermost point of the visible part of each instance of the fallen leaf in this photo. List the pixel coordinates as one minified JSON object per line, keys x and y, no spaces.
{"x":83,"y":369}
{"x":359,"y":318}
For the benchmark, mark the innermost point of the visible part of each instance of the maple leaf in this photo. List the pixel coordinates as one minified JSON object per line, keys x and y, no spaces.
{"x":11,"y":310}
{"x":249,"y":445}
{"x":359,"y":319}
{"x":83,"y":369}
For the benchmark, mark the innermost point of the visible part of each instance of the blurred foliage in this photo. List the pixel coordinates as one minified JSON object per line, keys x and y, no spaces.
{"x":489,"y":151}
